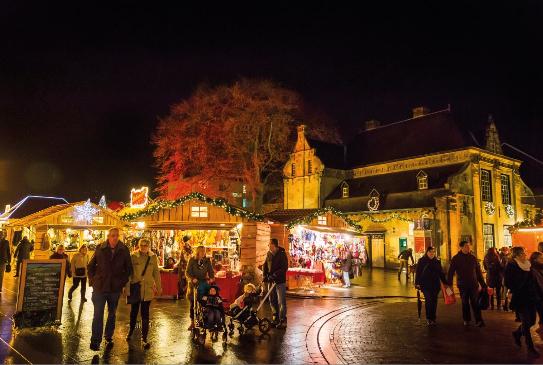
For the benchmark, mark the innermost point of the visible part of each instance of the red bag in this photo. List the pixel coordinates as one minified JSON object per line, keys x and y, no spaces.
{"x":448,"y":294}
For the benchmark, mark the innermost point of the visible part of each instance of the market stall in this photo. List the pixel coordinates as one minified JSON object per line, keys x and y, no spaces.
{"x":71,"y":225}
{"x":317,"y":241}
{"x":176,"y":228}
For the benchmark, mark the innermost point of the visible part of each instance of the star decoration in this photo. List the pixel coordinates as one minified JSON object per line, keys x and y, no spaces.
{"x":84,"y":212}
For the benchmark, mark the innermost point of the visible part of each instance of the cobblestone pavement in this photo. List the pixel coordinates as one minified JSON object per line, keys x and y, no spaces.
{"x":320,"y":331}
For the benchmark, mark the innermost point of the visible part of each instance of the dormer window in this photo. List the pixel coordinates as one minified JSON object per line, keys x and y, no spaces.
{"x":293,"y":170}
{"x":422,"y":180}
{"x":344,"y":190}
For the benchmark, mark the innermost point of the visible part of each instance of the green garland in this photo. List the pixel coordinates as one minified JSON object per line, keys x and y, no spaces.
{"x":527,"y":223}
{"x":156,"y":206}
{"x":396,"y":216}
{"x":309,"y":218}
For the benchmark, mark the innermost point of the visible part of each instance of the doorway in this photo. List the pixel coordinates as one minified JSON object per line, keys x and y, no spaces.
{"x":378,"y":251}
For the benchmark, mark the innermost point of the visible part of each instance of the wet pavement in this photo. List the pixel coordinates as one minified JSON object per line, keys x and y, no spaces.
{"x":320,"y":331}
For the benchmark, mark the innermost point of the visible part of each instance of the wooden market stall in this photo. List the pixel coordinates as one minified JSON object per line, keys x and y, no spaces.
{"x":70,"y":224}
{"x":527,"y":237}
{"x":316,"y":241}
{"x":234,"y":238}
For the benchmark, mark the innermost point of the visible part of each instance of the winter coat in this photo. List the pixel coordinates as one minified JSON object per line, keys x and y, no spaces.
{"x":494,"y":270}
{"x":109,"y":270}
{"x":63,"y":256}
{"x":522,"y":286}
{"x":276,"y":266}
{"x":5,"y":252}
{"x":429,"y":274}
{"x":23,"y":250}
{"x":79,"y":261}
{"x":468,"y":271}
{"x":200,"y":270}
{"x":347,"y":263}
{"x":150,"y":280}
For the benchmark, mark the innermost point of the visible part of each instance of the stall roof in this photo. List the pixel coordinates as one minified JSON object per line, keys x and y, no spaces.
{"x":31,"y":204}
{"x":285,"y":216}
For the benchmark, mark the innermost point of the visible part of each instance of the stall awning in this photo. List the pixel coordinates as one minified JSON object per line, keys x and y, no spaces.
{"x":184,"y":226}
{"x":325,"y":229}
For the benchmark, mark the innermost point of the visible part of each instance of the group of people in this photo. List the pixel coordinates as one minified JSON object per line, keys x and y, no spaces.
{"x":509,"y":274}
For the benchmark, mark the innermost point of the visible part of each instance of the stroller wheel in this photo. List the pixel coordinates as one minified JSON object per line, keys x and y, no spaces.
{"x":264,"y":325}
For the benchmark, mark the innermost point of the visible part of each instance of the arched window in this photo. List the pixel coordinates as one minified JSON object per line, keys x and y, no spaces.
{"x":344,"y":190}
{"x":422,"y":179}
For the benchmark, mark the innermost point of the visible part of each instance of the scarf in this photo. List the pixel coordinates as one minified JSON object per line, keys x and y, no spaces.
{"x":524,"y":265}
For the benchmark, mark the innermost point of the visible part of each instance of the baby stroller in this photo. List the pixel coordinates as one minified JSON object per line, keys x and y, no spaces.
{"x":248,"y":317}
{"x":203,"y":312}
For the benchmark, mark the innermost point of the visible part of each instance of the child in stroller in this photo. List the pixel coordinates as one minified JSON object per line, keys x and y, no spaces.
{"x":243,"y":311}
{"x":209,"y":313}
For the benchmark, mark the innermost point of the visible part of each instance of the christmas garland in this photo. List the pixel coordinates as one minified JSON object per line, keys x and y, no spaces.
{"x":309,"y":218}
{"x":389,"y":217}
{"x":527,"y":223}
{"x":156,"y":206}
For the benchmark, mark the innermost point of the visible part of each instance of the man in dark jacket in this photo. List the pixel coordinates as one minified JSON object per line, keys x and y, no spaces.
{"x":108,"y":270}
{"x":469,"y":277}
{"x":60,"y":255}
{"x":5,"y":256}
{"x":22,"y":252}
{"x":275,"y":271}
{"x":404,"y":257}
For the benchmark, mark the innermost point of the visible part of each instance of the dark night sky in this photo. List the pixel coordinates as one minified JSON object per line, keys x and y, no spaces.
{"x":81,"y":88}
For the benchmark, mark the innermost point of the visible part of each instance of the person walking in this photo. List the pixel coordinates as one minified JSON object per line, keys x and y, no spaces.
{"x":347,"y":268}
{"x":469,"y":276}
{"x":60,"y":255}
{"x":109,"y":270}
{"x":428,"y":279}
{"x":79,"y":264}
{"x":536,"y":260}
{"x":147,"y":274}
{"x":275,"y":271}
{"x":525,"y":296}
{"x":505,"y":256}
{"x":404,"y":257}
{"x":5,"y":257}
{"x":22,"y":252}
{"x":494,"y":275}
{"x":199,"y":270}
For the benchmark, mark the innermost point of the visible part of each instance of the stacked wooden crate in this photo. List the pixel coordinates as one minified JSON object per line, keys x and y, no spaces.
{"x":255,"y":239}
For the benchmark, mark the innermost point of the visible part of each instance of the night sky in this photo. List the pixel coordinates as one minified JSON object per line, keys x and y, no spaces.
{"x":81,"y":89}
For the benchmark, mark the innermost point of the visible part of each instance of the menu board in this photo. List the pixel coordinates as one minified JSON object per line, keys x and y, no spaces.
{"x":41,"y":291}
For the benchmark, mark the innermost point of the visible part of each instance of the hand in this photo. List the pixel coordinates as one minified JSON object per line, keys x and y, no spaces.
{"x":195,"y":281}
{"x":126,"y":292}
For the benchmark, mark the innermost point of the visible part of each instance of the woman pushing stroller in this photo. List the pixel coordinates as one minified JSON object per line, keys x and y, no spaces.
{"x":199,"y":269}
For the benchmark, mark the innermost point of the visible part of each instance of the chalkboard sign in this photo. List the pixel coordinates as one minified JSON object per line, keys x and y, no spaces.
{"x":41,"y":291}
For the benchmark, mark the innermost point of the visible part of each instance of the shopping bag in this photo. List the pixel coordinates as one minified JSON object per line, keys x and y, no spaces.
{"x":483,"y":301}
{"x":448,"y":294}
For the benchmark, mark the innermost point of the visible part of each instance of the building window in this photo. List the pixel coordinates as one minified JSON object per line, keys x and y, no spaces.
{"x":507,"y":239}
{"x":486,"y":186}
{"x":488,"y":235}
{"x":293,"y":170}
{"x":309,"y":167}
{"x":321,"y":220}
{"x":198,"y":212}
{"x":422,"y":179}
{"x":506,"y":189}
{"x":344,"y":190}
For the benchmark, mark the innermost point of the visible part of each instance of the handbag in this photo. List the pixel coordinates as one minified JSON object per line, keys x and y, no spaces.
{"x":448,"y":294}
{"x":135,"y":288}
{"x":8,"y":268}
{"x":483,"y":301}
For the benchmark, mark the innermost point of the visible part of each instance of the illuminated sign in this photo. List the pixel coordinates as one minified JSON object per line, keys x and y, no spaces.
{"x":139,"y":197}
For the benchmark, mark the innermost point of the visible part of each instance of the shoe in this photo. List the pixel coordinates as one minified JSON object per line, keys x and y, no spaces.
{"x":516,"y":336}
{"x":95,"y":347}
{"x":430,"y":322}
{"x":109,"y":343}
{"x":480,"y":324}
{"x":533,"y":352}
{"x":466,"y":323}
{"x":145,"y":345}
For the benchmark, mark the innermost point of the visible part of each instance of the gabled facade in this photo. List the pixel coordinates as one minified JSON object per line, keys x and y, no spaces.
{"x":422,"y":180}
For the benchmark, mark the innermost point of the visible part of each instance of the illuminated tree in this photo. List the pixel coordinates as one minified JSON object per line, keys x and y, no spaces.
{"x":242,"y":132}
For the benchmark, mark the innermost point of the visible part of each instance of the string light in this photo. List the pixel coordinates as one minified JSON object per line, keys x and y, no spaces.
{"x":84,"y":212}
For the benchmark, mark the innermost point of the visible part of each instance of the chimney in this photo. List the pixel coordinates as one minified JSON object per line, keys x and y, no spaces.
{"x":420,"y":111}
{"x":372,"y":124}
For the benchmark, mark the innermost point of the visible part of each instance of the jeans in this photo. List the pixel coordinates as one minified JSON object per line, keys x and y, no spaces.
{"x":100,"y":300}
{"x":346,"y":278}
{"x":2,"y":270}
{"x":134,"y":309}
{"x":497,"y":294}
{"x":213,"y":318}
{"x":75,"y":284}
{"x":278,"y":301}
{"x":469,"y":296}
{"x":430,"y":303}
{"x":527,"y":316}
